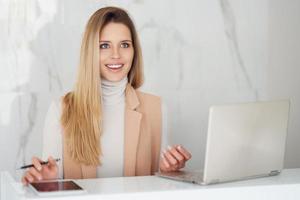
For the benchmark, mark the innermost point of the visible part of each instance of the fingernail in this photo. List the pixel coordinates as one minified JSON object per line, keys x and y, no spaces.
{"x":179,"y":146}
{"x":39,"y":168}
{"x":40,"y":178}
{"x":164,"y":151}
{"x":169,"y":147}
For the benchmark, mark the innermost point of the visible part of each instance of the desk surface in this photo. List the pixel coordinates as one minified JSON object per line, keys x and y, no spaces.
{"x":153,"y":183}
{"x":286,"y":184}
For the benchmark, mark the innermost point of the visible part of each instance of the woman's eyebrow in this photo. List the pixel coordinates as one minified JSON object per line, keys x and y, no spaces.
{"x":110,"y":41}
{"x":126,"y":41}
{"x":105,"y":41}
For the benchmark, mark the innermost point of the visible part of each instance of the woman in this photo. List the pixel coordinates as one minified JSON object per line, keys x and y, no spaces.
{"x":108,"y":127}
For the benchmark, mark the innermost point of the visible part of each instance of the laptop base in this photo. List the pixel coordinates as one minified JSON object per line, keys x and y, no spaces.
{"x":195,"y":177}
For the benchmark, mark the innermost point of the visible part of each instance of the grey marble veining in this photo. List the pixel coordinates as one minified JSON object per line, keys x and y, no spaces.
{"x":231,"y":34}
{"x":196,"y":53}
{"x":24,"y":136}
{"x":165,"y":36}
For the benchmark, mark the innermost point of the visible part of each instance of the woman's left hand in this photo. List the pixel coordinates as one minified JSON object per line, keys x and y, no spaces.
{"x":174,"y":158}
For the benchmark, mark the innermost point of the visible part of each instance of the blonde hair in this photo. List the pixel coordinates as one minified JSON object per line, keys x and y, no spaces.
{"x":82,"y":115}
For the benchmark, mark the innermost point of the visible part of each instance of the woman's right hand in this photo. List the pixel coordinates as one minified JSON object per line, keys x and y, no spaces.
{"x":40,"y":172}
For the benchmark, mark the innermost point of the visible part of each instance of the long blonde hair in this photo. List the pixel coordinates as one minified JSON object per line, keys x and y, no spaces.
{"x":82,"y":114}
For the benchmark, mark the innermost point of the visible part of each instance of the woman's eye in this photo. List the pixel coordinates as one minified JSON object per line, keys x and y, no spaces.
{"x":104,"y":46}
{"x":124,"y":45}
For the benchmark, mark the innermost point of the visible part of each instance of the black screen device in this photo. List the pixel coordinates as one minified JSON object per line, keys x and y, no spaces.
{"x":56,"y":187}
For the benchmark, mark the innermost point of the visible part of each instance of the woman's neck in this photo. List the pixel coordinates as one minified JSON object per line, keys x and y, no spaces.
{"x":113,"y":92}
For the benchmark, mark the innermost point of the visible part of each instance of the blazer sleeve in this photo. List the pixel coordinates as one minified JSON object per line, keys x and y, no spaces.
{"x":52,"y":135}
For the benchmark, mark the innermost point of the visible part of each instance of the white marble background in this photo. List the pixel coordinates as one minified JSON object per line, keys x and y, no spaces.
{"x":196,"y":53}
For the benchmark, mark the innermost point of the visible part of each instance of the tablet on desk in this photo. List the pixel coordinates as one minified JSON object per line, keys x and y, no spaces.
{"x":61,"y":187}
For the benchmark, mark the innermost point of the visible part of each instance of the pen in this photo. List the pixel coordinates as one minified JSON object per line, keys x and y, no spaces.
{"x":42,"y":163}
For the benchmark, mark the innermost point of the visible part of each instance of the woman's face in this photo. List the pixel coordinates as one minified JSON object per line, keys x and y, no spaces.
{"x":116,"y":51}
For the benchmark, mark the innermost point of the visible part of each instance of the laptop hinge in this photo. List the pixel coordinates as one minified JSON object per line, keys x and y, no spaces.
{"x":274,"y":172}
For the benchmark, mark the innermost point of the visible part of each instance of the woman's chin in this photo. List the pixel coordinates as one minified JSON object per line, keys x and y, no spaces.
{"x":114,"y":75}
{"x":113,"y":78}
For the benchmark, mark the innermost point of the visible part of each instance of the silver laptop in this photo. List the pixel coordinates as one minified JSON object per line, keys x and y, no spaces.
{"x":244,"y":141}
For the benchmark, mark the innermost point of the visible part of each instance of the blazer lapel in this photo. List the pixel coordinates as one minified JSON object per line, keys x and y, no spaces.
{"x":132,"y":131}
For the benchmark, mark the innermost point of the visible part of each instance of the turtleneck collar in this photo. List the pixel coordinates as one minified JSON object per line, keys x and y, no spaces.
{"x":113,"y":92}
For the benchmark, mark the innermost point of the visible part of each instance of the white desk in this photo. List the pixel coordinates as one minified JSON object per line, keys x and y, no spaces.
{"x":284,"y":186}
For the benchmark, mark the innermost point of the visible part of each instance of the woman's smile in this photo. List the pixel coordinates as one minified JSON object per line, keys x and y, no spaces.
{"x":114,"y":67}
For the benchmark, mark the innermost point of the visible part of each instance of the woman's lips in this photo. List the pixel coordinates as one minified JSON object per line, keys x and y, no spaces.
{"x":114,"y":66}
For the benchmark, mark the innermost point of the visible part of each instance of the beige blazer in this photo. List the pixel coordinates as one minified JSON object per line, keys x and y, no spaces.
{"x":141,"y":141}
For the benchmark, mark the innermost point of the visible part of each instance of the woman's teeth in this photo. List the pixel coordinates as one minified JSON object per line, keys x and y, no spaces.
{"x":114,"y":66}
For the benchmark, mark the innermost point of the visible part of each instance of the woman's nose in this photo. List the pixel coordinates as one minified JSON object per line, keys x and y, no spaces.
{"x":115,"y":53}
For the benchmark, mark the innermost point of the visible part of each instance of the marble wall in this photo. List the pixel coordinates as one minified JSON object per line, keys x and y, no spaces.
{"x":196,"y":53}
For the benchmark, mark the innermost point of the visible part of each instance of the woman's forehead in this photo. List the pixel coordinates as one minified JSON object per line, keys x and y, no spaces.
{"x":115,"y":31}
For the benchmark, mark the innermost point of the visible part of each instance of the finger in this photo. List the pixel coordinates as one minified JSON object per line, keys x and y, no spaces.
{"x":181,"y":165}
{"x":37,"y":163}
{"x":187,"y":155}
{"x":180,"y":158}
{"x":29,"y":178}
{"x":51,"y":162}
{"x":169,"y":157}
{"x":35,"y":173}
{"x":165,"y":162}
{"x":24,"y":181}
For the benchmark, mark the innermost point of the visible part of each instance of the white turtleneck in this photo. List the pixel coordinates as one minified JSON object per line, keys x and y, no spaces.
{"x":112,"y":138}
